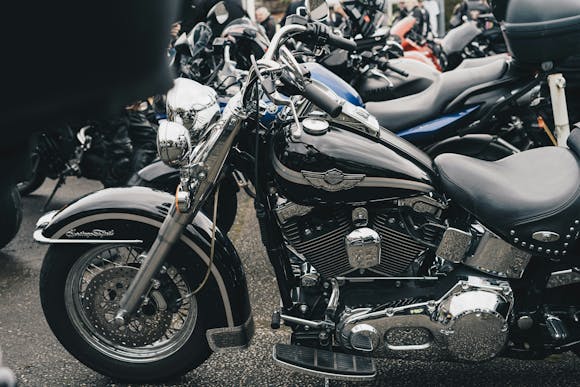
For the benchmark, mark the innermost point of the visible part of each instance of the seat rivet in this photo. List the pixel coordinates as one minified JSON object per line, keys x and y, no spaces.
{"x":531,"y":247}
{"x":548,"y":251}
{"x":516,"y":240}
{"x":568,"y":236}
{"x":512,"y":232}
{"x":523,"y":244}
{"x":540,"y":249}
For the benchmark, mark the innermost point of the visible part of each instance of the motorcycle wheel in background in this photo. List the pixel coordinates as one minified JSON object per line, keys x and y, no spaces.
{"x":37,"y":175}
{"x":11,"y":210}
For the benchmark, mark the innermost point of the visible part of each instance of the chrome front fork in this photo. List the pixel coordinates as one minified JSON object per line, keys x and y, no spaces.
{"x":209,"y":159}
{"x":169,"y":233}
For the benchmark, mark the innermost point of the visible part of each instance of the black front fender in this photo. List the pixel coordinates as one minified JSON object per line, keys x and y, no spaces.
{"x":136,"y":213}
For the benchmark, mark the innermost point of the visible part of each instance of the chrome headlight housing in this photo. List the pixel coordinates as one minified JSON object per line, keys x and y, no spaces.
{"x":192,"y":105}
{"x":173,"y":143}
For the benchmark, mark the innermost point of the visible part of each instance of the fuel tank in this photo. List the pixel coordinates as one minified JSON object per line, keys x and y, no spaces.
{"x":339,"y":164}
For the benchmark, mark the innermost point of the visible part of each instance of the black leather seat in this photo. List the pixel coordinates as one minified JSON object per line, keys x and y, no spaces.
{"x":404,"y":113}
{"x":530,"y":192}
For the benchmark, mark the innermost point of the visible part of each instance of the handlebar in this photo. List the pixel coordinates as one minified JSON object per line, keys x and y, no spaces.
{"x":340,"y":42}
{"x":323,"y":98}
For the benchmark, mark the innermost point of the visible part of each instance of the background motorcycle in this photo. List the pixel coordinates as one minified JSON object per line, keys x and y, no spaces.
{"x":109,"y":151}
{"x":220,"y":62}
{"x":377,"y":249}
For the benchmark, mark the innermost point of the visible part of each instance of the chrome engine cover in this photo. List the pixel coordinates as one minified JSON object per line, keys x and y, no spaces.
{"x":363,"y":246}
{"x":468,"y":323}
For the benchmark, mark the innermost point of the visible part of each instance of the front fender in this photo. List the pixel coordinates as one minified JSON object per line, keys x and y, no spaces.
{"x":136,"y":214}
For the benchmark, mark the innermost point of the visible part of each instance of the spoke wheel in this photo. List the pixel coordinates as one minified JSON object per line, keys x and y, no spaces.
{"x":94,"y":288}
{"x":81,"y":287}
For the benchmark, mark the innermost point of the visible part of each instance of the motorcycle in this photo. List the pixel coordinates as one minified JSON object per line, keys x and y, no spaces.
{"x":108,"y":151}
{"x":377,"y":249}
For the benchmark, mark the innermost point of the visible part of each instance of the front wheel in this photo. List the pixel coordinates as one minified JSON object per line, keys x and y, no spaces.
{"x":37,"y":176}
{"x":11,"y":210}
{"x":80,"y":289}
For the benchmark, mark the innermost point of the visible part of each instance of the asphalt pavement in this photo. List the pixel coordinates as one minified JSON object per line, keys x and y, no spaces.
{"x":38,"y":359}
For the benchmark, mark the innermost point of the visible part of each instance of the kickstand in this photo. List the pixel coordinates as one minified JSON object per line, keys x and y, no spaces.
{"x":59,"y":183}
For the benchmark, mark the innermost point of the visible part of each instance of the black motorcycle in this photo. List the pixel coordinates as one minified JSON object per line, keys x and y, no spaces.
{"x":377,"y":249}
{"x":106,"y":150}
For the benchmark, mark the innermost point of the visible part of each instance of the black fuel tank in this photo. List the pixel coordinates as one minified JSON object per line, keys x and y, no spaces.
{"x":343,"y":165}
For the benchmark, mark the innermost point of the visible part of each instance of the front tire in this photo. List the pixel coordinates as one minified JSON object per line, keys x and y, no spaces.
{"x":80,"y":287}
{"x":11,"y":210}
{"x":37,"y":176}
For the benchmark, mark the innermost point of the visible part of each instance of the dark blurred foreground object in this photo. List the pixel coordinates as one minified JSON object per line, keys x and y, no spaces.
{"x":72,"y":60}
{"x":106,"y":150}
{"x":77,"y":59}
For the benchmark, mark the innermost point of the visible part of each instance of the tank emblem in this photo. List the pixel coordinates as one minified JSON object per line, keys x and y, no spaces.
{"x":333,"y":180}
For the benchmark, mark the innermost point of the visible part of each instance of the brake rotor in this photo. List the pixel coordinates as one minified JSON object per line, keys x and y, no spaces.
{"x":101,"y":302}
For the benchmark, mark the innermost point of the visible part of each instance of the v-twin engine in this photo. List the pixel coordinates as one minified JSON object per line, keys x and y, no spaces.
{"x":468,"y":323}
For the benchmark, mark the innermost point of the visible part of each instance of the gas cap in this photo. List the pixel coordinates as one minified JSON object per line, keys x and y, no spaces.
{"x":315,"y":127}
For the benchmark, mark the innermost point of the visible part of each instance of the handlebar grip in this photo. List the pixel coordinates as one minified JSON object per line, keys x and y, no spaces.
{"x":340,"y":42}
{"x":324,"y":99}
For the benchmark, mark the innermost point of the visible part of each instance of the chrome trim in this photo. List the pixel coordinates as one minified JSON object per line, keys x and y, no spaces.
{"x":327,"y":375}
{"x":38,"y":237}
{"x":382,"y":182}
{"x":363,"y":247}
{"x":418,"y":347}
{"x":495,"y":256}
{"x":563,"y":278}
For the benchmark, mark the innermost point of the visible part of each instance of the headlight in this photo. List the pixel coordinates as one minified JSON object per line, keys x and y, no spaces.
{"x":193,"y":105}
{"x":173,"y":143}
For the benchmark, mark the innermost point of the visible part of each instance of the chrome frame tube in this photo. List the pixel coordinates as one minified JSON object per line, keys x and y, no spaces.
{"x":211,"y":155}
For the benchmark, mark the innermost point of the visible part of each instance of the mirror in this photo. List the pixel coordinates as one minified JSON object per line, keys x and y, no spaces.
{"x":220,"y":11}
{"x":199,"y":38}
{"x":317,"y":9}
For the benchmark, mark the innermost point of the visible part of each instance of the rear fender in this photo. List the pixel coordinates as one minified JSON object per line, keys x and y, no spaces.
{"x":134,"y":215}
